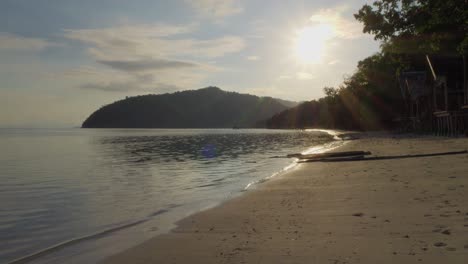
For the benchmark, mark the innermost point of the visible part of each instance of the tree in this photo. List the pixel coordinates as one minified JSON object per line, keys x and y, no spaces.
{"x":419,"y":26}
{"x":426,"y":26}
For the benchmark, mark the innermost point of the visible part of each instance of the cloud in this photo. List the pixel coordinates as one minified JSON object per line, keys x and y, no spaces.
{"x":135,"y":80}
{"x":333,"y":62}
{"x":148,"y":64}
{"x":148,"y":57}
{"x":110,"y":86}
{"x":253,"y":58}
{"x":304,"y":76}
{"x":110,"y":80}
{"x":133,"y":42}
{"x":284,"y":77}
{"x":215,"y":8}
{"x":346,"y":28}
{"x":14,"y":42}
{"x":130,"y":86}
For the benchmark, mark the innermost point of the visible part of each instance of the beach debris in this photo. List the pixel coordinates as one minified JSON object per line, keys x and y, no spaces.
{"x":328,"y":154}
{"x":358,"y":214}
{"x":361,"y":156}
{"x":446,"y":232}
{"x":440,"y":244}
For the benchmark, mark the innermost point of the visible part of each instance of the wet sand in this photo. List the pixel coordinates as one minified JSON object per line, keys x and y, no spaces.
{"x":412,"y":210}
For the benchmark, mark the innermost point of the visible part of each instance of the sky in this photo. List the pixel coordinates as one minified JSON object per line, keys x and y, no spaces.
{"x":61,"y":59}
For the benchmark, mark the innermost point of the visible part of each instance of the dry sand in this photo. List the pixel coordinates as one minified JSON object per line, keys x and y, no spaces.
{"x":385,"y":211}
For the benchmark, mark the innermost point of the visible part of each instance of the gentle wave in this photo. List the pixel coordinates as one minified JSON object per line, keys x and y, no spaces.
{"x":85,"y":181}
{"x":96,"y":235}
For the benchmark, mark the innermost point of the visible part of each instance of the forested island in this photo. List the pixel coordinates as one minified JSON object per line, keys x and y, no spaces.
{"x":209,"y":107}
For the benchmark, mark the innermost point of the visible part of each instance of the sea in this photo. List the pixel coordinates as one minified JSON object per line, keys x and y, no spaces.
{"x":79,"y":195}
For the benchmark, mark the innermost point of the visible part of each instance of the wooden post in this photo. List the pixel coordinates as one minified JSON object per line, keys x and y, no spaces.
{"x":465,"y":85}
{"x":446,"y":96}
{"x":432,"y":68}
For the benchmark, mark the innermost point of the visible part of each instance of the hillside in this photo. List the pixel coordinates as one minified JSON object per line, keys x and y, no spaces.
{"x":204,"y":108}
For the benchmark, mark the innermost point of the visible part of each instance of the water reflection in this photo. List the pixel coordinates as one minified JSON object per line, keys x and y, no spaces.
{"x":61,"y":186}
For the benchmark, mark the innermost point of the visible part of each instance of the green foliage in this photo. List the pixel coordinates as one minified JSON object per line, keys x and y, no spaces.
{"x":205,"y":108}
{"x":425,"y":26}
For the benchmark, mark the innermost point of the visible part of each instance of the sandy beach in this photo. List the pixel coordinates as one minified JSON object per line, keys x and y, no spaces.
{"x":412,"y":210}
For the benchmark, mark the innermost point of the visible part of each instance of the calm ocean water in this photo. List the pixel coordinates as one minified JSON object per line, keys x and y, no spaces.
{"x":101,"y":191}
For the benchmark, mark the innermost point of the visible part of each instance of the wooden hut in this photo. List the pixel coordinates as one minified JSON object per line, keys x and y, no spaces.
{"x":449,"y":94}
{"x":436,"y":95}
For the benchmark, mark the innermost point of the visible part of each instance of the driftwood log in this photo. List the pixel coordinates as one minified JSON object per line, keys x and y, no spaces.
{"x":359,"y":157}
{"x":329,"y":155}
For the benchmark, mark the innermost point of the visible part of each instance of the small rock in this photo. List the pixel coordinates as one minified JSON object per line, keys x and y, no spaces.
{"x":446,"y":232}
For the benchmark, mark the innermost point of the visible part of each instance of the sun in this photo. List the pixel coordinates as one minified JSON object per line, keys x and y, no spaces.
{"x":311,"y":42}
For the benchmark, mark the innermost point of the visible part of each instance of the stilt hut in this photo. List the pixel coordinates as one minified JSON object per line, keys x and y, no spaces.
{"x":436,"y":95}
{"x":449,"y":94}
{"x":417,"y":95}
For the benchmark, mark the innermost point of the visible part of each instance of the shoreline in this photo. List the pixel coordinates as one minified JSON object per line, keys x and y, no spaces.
{"x":73,"y":246}
{"x":289,"y":217}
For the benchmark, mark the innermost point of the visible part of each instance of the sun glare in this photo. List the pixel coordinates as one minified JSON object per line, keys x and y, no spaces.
{"x":310,"y":43}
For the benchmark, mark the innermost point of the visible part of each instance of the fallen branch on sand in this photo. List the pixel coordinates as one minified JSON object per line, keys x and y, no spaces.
{"x":363,"y":158}
{"x":325,"y":155}
{"x":329,"y":154}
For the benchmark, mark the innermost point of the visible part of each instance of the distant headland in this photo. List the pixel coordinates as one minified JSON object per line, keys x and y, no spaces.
{"x":209,"y":107}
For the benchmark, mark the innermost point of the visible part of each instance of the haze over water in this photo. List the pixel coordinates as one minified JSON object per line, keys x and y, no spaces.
{"x":59,"y":185}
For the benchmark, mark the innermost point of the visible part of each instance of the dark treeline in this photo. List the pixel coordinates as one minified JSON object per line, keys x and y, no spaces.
{"x":367,"y":100}
{"x":204,"y":108}
{"x":370,"y":99}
